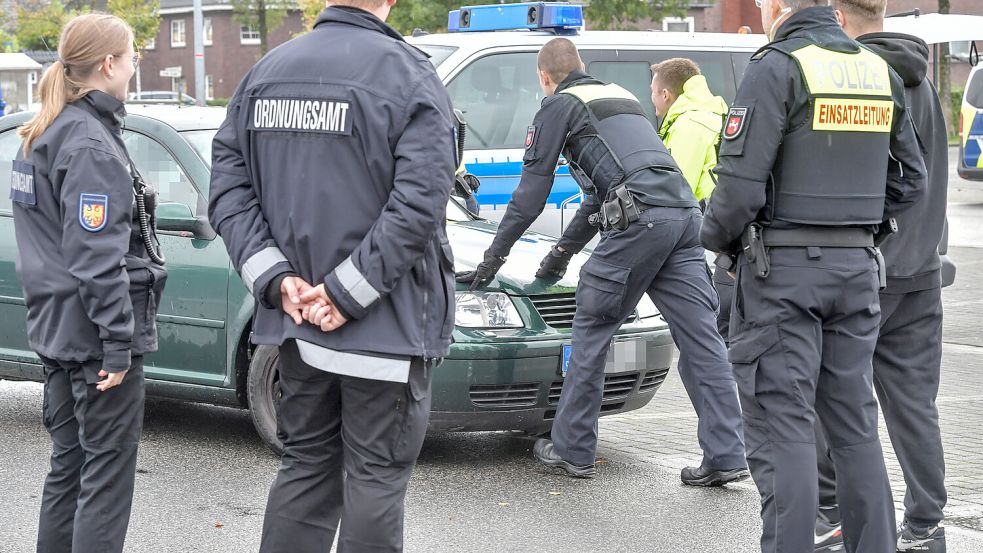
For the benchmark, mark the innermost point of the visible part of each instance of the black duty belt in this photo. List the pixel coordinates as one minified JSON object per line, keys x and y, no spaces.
{"x":824,"y":237}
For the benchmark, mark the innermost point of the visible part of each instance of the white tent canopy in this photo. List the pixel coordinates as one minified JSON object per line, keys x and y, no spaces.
{"x":935,"y":28}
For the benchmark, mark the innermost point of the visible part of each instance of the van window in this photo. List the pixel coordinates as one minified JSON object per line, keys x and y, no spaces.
{"x":632,"y":70}
{"x":437,"y":53}
{"x":974,"y":92}
{"x":633,"y":76}
{"x":499,"y":95}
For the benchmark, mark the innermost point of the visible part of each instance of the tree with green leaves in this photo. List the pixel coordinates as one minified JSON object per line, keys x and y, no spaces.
{"x":623,"y":14}
{"x":143,"y":17}
{"x":309,"y":10}
{"x":262,"y":15}
{"x":8,"y":42}
{"x":39,"y":23}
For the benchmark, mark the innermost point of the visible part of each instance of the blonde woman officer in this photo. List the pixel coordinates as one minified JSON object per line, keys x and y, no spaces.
{"x":92,"y":278}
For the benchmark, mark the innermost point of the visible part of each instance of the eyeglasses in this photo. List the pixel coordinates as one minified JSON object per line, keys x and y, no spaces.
{"x":135,"y":58}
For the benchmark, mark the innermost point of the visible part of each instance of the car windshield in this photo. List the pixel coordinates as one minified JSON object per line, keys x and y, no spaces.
{"x":437,"y":53}
{"x":201,"y":141}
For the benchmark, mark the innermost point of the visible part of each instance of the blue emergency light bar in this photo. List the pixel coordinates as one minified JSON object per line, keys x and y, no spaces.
{"x":560,"y":17}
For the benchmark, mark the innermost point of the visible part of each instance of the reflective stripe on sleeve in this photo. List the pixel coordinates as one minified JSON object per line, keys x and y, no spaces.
{"x":354,"y":282}
{"x":259,"y":263}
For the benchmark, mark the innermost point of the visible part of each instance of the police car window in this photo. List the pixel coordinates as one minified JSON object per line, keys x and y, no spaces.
{"x":160,"y":168}
{"x":437,"y":53}
{"x":717,"y":67}
{"x":635,"y":77}
{"x":974,"y":92}
{"x":499,"y":95}
{"x":9,"y":142}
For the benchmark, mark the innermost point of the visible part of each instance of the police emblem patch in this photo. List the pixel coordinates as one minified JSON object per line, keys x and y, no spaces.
{"x":530,"y":136}
{"x":93,"y":211}
{"x":735,"y":123}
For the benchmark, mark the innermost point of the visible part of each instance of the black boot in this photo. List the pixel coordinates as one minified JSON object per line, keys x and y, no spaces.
{"x":708,"y":477}
{"x":543,"y":450}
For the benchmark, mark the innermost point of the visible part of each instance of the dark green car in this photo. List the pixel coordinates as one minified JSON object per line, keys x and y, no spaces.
{"x":512,"y":340}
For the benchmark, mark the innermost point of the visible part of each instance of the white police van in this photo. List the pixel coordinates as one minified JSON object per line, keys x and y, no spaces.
{"x":488,"y":62}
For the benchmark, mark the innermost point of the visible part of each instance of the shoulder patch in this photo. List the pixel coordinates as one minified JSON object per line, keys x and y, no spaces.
{"x":93,"y":211}
{"x":313,"y":115}
{"x":530,"y":136}
{"x":22,"y":183}
{"x":736,"y":119}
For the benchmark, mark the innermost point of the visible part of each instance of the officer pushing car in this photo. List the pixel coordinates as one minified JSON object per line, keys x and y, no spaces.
{"x":819,"y":125}
{"x":649,"y":220}
{"x":330,"y":183}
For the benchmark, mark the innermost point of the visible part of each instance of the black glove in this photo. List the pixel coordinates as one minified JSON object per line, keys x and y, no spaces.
{"x":485,"y":271}
{"x":554,"y":265}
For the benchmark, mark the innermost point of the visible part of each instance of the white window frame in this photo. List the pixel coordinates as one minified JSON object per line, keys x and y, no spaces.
{"x":689,"y":21}
{"x":182,"y":25}
{"x":152,"y":45}
{"x":245,"y":35}
{"x":209,"y":87}
{"x":206,"y":31}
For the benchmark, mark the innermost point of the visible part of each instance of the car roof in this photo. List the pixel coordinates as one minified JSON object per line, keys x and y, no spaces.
{"x":181,"y":118}
{"x":593,"y":39}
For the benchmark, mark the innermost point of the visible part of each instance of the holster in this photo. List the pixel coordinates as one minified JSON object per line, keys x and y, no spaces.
{"x":619,"y":211}
{"x":753,"y":246}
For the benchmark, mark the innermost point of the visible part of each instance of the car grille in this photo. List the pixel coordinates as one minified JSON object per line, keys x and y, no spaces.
{"x":556,"y":309}
{"x":616,"y":386}
{"x":506,"y":395}
{"x":652,"y":380}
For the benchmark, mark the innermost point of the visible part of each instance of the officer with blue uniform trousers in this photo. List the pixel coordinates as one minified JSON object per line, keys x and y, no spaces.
{"x":650,"y":224}
{"x":818,"y":127}
{"x":908,"y":357}
{"x":93,"y":275}
{"x":330,"y":183}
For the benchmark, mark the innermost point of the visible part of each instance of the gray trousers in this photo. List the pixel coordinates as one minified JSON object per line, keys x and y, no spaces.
{"x":907,"y":367}
{"x":85,"y":506}
{"x":660,"y":254}
{"x":801,"y":342}
{"x":349,"y":448}
{"x":724,"y":284}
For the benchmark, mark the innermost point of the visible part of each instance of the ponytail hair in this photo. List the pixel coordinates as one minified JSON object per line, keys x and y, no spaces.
{"x":85,"y":42}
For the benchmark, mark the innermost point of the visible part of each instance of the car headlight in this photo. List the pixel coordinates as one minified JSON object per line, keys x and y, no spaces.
{"x":486,"y":310}
{"x":646,"y":309}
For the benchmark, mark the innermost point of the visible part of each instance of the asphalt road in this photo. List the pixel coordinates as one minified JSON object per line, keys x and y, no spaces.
{"x":203,"y":474}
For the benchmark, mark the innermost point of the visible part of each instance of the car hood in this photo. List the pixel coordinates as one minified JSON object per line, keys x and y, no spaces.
{"x":470,"y":239}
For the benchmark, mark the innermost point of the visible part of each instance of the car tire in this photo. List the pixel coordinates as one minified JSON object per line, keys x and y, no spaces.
{"x":263,"y":393}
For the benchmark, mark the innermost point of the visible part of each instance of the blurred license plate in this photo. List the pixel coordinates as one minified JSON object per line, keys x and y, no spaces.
{"x":566,"y":358}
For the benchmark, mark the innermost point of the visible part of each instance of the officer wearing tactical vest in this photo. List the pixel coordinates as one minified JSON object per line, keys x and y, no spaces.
{"x":819,"y":125}
{"x":649,"y":222}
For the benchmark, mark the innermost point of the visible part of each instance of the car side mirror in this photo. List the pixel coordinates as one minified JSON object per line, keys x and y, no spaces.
{"x":178,"y":217}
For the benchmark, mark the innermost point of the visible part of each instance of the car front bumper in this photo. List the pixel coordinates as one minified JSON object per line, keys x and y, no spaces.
{"x":516,"y":385}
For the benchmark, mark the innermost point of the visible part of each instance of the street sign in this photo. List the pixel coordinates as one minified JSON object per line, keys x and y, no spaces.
{"x":173,"y":72}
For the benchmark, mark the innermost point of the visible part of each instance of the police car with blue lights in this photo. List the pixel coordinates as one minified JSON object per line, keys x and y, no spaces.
{"x":487,"y":59}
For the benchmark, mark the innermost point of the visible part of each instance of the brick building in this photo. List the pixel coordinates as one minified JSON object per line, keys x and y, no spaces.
{"x":231,"y":49}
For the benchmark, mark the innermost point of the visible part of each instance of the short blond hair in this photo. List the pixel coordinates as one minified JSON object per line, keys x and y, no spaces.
{"x":869,"y":10}
{"x":673,"y":73}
